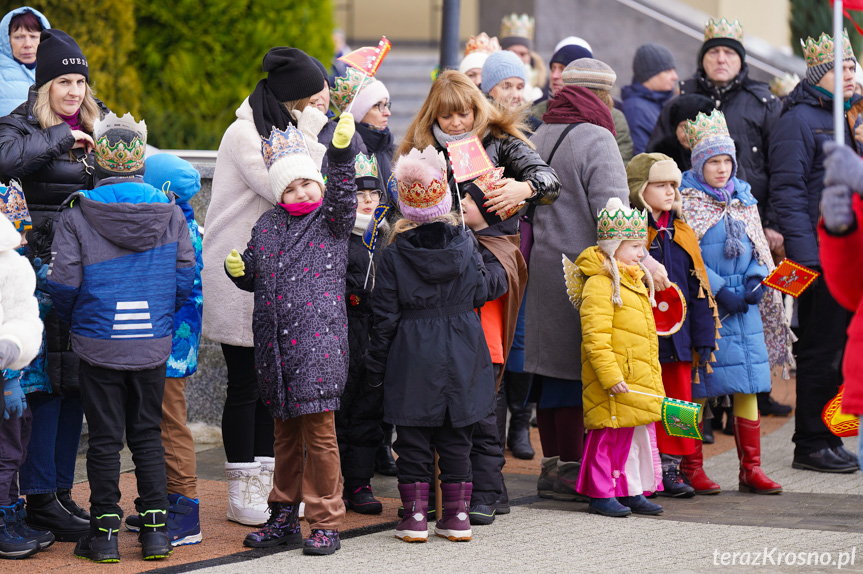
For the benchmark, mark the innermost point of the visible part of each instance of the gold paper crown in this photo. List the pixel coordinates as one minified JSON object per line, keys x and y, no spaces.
{"x":483,"y":44}
{"x":487,"y":182}
{"x":517,"y":25}
{"x":366,"y":165}
{"x":722,"y":28}
{"x":781,"y":86}
{"x":706,"y":126}
{"x":14,"y":206}
{"x":821,"y":51}
{"x":122,"y":157}
{"x":344,"y":88}
{"x":411,"y":189}
{"x":283,"y":144}
{"x":615,"y":221}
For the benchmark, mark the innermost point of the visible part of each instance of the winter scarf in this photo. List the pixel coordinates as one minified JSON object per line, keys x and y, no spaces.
{"x":704,"y":207}
{"x":267,"y":111}
{"x":443,"y":138}
{"x":576,"y":105}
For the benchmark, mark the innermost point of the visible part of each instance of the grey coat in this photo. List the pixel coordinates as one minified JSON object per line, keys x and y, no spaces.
{"x":591,"y":172}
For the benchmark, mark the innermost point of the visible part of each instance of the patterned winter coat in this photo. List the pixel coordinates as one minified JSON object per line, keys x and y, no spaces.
{"x":295,"y":266}
{"x":177,"y":175}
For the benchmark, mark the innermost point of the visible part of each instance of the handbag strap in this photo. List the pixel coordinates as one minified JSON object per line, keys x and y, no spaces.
{"x":532,"y":207}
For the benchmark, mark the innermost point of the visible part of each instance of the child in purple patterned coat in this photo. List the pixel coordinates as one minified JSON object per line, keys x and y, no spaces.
{"x":295,"y":264}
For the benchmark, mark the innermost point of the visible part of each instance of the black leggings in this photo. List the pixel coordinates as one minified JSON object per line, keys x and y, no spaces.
{"x":247,"y":426}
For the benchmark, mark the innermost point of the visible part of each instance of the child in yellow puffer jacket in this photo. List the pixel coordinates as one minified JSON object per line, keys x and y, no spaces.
{"x":620,"y":371}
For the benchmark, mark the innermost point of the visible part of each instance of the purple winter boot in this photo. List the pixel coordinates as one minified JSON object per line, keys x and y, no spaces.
{"x":415,"y":500}
{"x":455,"y":524}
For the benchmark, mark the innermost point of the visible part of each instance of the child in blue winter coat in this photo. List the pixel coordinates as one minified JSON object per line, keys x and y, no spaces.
{"x":723,"y":213}
{"x":174,"y":175}
{"x":123,"y":265}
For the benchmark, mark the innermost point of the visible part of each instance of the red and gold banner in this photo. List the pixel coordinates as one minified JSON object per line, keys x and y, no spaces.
{"x":791,"y":278}
{"x":468,"y":159}
{"x":367,"y":59}
{"x":838,"y":422}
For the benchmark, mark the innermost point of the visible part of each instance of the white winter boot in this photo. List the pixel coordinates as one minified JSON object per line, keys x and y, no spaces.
{"x":247,"y":496}
{"x":268,"y":467}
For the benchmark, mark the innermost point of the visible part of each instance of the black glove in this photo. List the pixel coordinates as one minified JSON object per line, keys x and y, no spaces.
{"x":754,"y":290}
{"x":731,"y":301}
{"x":703,"y":355}
{"x":374,"y":379}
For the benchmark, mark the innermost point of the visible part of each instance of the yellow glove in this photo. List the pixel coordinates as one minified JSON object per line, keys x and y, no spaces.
{"x":344,"y":131}
{"x":234,"y":264}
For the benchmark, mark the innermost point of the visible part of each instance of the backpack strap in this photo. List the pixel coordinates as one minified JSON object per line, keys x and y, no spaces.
{"x":528,"y":217}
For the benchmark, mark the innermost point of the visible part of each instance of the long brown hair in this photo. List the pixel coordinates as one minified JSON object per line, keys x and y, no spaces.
{"x":453,"y":92}
{"x":47,"y":117}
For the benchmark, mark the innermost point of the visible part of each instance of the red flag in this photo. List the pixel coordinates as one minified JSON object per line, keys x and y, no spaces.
{"x":851,"y":4}
{"x":468,"y":159}
{"x":838,"y":422}
{"x":791,"y":278}
{"x":367,"y":60}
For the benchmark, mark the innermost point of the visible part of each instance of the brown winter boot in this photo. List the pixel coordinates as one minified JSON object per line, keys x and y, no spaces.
{"x":747,"y":435}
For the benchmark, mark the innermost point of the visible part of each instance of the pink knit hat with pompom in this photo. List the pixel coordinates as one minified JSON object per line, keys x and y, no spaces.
{"x":423,"y":192}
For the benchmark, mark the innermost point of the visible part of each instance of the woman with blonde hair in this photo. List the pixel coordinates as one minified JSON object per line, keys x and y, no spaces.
{"x":47,"y":144}
{"x":456,"y":109}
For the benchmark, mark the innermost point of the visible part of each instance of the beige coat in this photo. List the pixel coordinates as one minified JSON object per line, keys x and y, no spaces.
{"x":241,"y":194}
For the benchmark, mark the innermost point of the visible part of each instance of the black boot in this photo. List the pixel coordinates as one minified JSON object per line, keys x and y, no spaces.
{"x":12,"y":546}
{"x":64,"y":495}
{"x":44,"y":512}
{"x":100,"y":543}
{"x":384,"y":462}
{"x":518,"y":385}
{"x":153,"y":536}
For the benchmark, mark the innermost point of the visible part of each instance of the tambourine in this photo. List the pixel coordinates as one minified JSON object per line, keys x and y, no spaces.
{"x":670,"y":310}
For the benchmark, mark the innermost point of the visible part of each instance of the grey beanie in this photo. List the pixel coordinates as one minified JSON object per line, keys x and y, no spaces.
{"x":588,"y":73}
{"x":816,"y":72}
{"x":500,"y":66}
{"x":651,"y":59}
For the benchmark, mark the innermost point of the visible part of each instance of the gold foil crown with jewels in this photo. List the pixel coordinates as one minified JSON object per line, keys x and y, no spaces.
{"x":122,"y":156}
{"x":366,"y":165}
{"x":616,"y":221}
{"x":483,"y":44}
{"x":421,"y":177}
{"x":345,"y":87}
{"x":283,"y":144}
{"x":705,"y":126}
{"x":521,"y":26}
{"x":821,"y":51}
{"x":722,"y":28}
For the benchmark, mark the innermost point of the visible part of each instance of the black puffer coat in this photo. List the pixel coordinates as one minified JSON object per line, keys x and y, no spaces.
{"x":750,"y":110}
{"x":797,"y":166}
{"x":43,"y":159}
{"x":49,"y":171}
{"x":427,"y":343}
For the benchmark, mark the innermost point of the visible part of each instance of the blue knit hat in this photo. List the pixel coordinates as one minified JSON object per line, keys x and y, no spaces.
{"x":569,"y":53}
{"x":500,"y":66}
{"x":651,"y":59}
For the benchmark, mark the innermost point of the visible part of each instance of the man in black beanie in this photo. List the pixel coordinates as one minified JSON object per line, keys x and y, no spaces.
{"x":653,"y":81}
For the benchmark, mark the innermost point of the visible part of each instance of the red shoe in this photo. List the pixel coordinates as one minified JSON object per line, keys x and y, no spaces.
{"x":692,"y":468}
{"x":747,"y":435}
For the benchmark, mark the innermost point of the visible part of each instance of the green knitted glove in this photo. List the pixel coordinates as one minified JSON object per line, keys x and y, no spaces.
{"x":344,"y":131}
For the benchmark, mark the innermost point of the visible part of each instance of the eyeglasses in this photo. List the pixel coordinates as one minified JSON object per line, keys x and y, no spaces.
{"x":383,"y":105}
{"x":374,"y":195}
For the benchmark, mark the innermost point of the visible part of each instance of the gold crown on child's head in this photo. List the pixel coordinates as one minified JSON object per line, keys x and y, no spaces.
{"x":706,"y":126}
{"x":122,"y":157}
{"x":366,"y":165}
{"x":482,"y":43}
{"x":520,"y":25}
{"x":722,"y":28}
{"x":821,"y":51}
{"x":283,"y":144}
{"x":616,"y":221}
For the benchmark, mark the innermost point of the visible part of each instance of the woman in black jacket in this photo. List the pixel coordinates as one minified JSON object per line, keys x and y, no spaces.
{"x":455,"y":109}
{"x":47,"y":144}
